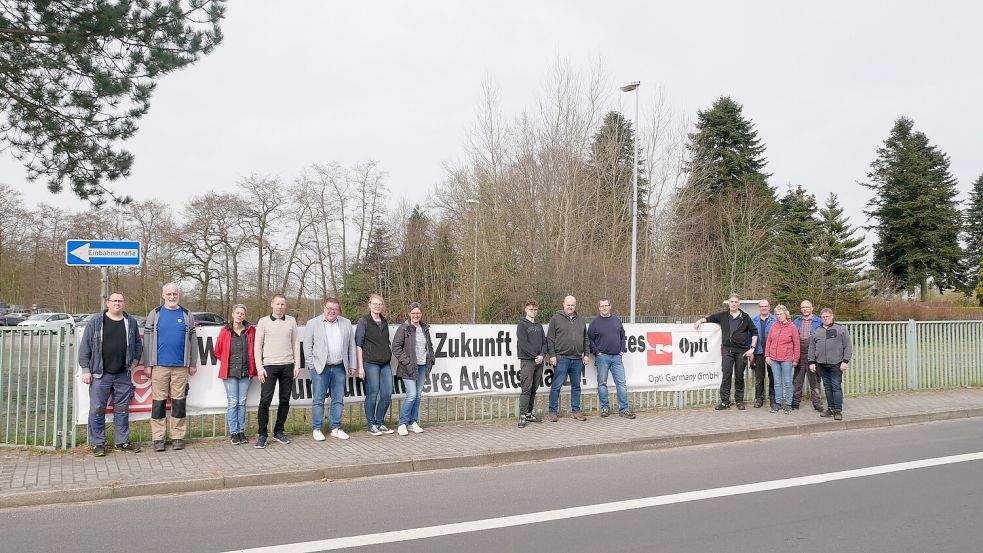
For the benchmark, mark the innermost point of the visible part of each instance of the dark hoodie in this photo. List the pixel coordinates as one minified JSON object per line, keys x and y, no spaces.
{"x":567,"y":336}
{"x":531,"y":338}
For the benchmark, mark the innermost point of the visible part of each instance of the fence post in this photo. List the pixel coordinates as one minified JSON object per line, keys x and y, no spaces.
{"x":912,"y":355}
{"x":680,"y":400}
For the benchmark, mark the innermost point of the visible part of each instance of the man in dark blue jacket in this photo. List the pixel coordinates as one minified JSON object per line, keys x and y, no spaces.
{"x":110,"y":349}
{"x":763,"y":322}
{"x":807,"y":324}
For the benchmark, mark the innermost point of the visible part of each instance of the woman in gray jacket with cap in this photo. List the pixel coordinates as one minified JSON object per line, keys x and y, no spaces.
{"x":413,"y":350}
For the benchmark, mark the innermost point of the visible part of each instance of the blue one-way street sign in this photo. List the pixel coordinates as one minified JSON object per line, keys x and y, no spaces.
{"x":102,"y":253}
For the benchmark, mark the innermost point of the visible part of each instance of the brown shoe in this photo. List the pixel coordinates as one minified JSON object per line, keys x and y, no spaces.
{"x":577,"y":415}
{"x":551,"y":417}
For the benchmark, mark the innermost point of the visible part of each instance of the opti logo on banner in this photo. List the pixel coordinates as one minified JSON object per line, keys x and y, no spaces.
{"x":661,"y":352}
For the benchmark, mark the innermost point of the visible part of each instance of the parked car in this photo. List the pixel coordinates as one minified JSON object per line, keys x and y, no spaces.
{"x":82,"y":317}
{"x":204,"y":318}
{"x":12,"y":319}
{"x":48,"y":319}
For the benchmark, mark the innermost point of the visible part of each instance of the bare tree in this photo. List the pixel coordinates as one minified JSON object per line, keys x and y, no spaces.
{"x":264,"y":197}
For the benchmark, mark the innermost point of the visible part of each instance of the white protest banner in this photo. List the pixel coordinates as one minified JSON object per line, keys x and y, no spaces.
{"x":470,"y":359}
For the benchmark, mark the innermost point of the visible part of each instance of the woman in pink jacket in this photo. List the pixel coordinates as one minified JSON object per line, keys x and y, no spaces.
{"x":782,"y":353}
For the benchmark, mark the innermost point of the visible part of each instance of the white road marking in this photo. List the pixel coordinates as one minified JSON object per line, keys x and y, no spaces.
{"x":601,"y":508}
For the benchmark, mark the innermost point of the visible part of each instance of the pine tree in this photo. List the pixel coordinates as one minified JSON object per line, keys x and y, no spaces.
{"x":793,"y":271}
{"x":914,"y":206}
{"x":611,"y":162}
{"x":973,"y":231}
{"x":841,"y":258}
{"x":979,"y":287}
{"x":728,"y":208}
{"x":76,"y":77}
{"x":725,"y":150}
{"x":371,"y":274}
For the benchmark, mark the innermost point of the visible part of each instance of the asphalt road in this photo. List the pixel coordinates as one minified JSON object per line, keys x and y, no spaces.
{"x":923,"y":509}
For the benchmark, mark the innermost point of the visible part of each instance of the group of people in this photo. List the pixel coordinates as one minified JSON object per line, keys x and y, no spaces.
{"x":335,"y":349}
{"x":269,"y":350}
{"x":788,"y":351}
{"x":567,"y":342}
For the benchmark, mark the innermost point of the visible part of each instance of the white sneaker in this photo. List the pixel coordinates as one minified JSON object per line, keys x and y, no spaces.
{"x":416,"y":428}
{"x":402,"y":430}
{"x":339,"y":433}
{"x":318,"y":435}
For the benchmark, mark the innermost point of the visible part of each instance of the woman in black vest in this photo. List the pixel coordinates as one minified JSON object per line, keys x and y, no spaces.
{"x":374,"y":356}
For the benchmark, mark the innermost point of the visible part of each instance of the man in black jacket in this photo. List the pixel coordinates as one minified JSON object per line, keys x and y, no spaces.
{"x":735,"y":326}
{"x":532,"y":353}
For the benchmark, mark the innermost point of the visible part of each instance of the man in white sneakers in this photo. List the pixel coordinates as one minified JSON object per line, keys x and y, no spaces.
{"x":329,"y":351}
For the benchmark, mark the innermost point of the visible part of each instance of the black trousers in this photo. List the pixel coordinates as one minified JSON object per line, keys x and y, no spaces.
{"x":760,"y":368}
{"x":530,"y":375}
{"x":733,"y":364}
{"x":284,"y":376}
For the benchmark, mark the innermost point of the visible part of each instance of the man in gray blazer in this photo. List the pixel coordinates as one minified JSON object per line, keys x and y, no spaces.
{"x":329,"y":350}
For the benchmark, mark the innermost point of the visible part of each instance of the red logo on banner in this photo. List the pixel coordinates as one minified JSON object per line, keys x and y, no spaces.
{"x":142,"y":392}
{"x":661,"y":348}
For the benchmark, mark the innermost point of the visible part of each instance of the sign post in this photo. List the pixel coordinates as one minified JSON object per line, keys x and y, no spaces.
{"x":105,"y":254}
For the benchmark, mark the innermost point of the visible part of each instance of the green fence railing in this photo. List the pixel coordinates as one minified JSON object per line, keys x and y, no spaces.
{"x":37,"y":373}
{"x":37,"y":368}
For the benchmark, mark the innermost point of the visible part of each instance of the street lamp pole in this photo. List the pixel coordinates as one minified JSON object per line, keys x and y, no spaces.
{"x":474,"y":280}
{"x":634,"y":200}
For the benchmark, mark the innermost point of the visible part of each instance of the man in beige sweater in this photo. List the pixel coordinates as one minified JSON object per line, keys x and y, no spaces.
{"x":277,"y":361}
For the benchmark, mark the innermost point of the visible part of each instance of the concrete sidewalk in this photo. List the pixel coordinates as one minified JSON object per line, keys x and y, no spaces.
{"x":37,"y":478}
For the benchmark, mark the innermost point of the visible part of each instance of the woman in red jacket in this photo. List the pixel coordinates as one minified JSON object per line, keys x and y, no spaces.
{"x":236,"y":365}
{"x":782,"y":353}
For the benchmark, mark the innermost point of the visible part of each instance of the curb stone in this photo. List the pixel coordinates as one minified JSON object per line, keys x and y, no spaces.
{"x":353,"y":471}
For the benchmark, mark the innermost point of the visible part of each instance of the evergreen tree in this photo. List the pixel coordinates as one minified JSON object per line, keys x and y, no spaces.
{"x":914,"y":205}
{"x":76,"y":76}
{"x":611,"y":162}
{"x":793,"y":271}
{"x":979,"y":286}
{"x":841,"y":259}
{"x":725,"y":151}
{"x":728,"y":208}
{"x":370,"y":275}
{"x":973,"y":230}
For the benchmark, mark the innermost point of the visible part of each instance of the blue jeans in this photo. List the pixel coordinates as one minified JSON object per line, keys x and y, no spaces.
{"x":120,"y":386}
{"x":378,"y":385}
{"x":235,"y":392}
{"x":833,"y":382}
{"x":605,"y":362}
{"x":331,"y":379}
{"x":564,"y":366}
{"x":410,"y":412}
{"x":782,"y":379}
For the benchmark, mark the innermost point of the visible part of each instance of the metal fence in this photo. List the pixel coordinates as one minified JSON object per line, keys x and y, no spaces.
{"x":37,"y":368}
{"x":37,"y":374}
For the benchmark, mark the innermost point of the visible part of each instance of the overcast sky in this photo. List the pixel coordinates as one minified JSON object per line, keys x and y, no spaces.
{"x":400,"y":82}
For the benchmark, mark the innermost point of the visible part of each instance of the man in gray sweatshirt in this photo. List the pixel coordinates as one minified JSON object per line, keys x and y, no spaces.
{"x":567,"y":345}
{"x":830,"y":351}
